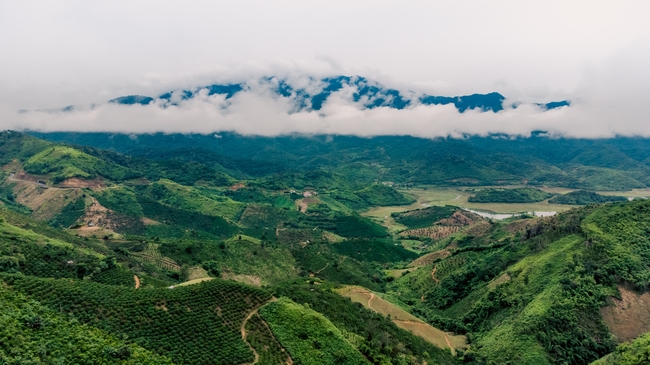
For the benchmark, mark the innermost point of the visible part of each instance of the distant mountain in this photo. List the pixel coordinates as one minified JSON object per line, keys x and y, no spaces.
{"x":368,"y":93}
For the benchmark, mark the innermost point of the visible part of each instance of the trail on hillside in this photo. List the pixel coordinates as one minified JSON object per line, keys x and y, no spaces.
{"x":12,"y":177}
{"x":372,"y":296}
{"x":244,"y":333}
{"x":137,"y":281}
{"x":433,"y":274}
{"x":325,"y":267}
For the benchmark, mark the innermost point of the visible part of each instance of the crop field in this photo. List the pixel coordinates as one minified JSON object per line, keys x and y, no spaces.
{"x":435,"y":232}
{"x":153,"y":256}
{"x":402,"y":318}
{"x":260,"y":337}
{"x":205,"y":318}
{"x":308,"y":336}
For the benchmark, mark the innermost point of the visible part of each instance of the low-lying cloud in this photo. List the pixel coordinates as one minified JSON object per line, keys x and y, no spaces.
{"x":611,"y":101}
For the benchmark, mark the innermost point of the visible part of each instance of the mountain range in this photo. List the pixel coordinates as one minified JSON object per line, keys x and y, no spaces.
{"x":368,"y":93}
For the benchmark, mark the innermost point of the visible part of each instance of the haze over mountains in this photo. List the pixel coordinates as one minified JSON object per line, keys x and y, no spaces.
{"x":366,"y":93}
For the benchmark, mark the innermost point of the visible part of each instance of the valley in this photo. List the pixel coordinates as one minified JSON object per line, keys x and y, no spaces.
{"x":331,"y":263}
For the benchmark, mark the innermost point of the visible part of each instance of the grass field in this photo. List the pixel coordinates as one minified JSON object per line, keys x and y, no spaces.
{"x":428,"y":196}
{"x":195,"y":281}
{"x":403,"y":319}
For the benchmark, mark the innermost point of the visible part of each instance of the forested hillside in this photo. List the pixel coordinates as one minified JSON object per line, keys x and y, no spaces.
{"x":609,"y":164}
{"x":324,"y":257}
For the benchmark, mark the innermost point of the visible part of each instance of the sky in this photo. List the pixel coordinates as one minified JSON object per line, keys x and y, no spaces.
{"x":63,"y":53}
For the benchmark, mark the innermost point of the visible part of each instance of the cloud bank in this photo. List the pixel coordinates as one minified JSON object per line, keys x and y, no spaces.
{"x":611,"y":101}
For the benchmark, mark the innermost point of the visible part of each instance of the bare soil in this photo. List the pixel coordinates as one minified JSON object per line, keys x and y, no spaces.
{"x":95,"y":184}
{"x":628,"y":317}
{"x":403,"y":319}
{"x":246,"y":279}
{"x":149,"y":222}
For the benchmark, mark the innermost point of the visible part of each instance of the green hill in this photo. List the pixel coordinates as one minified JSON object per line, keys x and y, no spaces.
{"x":205,"y":318}
{"x":636,"y":352}
{"x":309,"y":337}
{"x":584,"y":197}
{"x":100,"y":261}
{"x":34,"y":334}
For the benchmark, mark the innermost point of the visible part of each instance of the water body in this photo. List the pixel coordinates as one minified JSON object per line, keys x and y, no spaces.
{"x":499,"y":216}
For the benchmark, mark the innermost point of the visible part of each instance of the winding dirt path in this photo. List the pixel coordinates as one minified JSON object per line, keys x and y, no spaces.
{"x":372,"y":296}
{"x":137,"y":281}
{"x":325,"y":267}
{"x":244,"y":333}
{"x":433,"y":274}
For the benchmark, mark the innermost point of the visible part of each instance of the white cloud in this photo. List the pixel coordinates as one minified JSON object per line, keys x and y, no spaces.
{"x":55,"y":56}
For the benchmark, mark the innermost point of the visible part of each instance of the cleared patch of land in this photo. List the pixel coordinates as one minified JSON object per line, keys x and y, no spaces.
{"x":196,"y":272}
{"x":429,"y":258}
{"x":403,"y":319}
{"x":628,"y":317}
{"x":396,"y":273}
{"x":195,"y":281}
{"x":246,"y":279}
{"x":498,"y":281}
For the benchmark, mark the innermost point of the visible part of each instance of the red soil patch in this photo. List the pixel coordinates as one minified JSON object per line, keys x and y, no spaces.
{"x":237,"y":186}
{"x":629,"y":316}
{"x":81,"y":183}
{"x":149,"y":222}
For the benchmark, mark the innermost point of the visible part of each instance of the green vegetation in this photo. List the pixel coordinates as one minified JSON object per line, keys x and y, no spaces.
{"x":636,"y":352}
{"x":61,"y":162}
{"x":260,"y":337}
{"x":426,"y":217}
{"x":319,"y":260}
{"x":309,"y":337}
{"x":69,"y":214}
{"x":120,"y":199}
{"x":521,"y":195}
{"x":522,"y":291}
{"x":205,"y":318}
{"x":186,"y":198}
{"x":584,"y":197}
{"x":34,"y":334}
{"x":381,"y":251}
{"x":34,"y":254}
{"x":378,"y":194}
{"x":377,"y":338}
{"x":8,"y":199}
{"x":269,"y":264}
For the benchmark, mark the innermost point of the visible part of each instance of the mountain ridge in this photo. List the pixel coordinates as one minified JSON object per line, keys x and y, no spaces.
{"x":370,"y":94}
